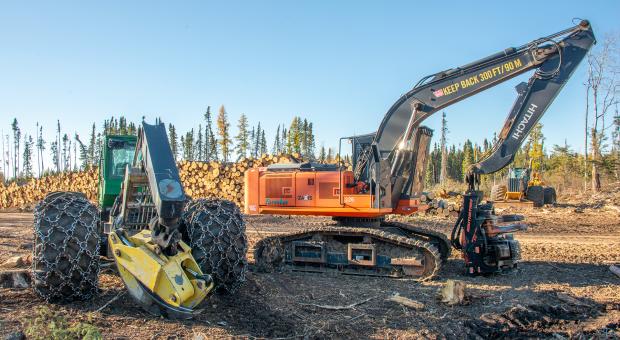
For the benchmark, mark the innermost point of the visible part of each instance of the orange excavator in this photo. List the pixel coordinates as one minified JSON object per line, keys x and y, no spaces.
{"x":388,"y":170}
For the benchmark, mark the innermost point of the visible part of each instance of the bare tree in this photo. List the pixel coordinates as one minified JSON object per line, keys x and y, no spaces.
{"x":3,"y":157}
{"x":17,"y":134}
{"x":444,"y":152}
{"x":602,"y":88}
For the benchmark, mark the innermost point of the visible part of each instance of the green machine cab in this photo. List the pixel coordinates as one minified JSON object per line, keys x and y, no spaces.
{"x":117,"y":153}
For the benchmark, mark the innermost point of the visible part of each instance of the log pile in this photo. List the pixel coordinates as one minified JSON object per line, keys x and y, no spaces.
{"x":215,"y":179}
{"x":200,"y":179}
{"x":442,"y":204}
{"x":35,"y":189}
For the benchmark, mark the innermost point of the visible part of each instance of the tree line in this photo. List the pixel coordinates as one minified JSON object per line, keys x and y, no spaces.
{"x":214,"y":141}
{"x":211,"y":141}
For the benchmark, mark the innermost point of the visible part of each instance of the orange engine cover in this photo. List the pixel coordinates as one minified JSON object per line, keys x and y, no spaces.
{"x":309,"y":192}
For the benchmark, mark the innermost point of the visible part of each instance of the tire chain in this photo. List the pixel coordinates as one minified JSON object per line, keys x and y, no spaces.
{"x":215,"y":231}
{"x":66,"y":248}
{"x":268,"y":258}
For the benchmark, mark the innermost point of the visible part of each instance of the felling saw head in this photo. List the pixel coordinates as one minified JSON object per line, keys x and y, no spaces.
{"x":172,"y":286}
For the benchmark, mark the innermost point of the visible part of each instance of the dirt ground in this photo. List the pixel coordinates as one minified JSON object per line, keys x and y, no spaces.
{"x":563,"y":289}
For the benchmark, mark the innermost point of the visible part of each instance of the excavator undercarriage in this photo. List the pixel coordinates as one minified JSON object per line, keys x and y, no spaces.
{"x":378,"y":249}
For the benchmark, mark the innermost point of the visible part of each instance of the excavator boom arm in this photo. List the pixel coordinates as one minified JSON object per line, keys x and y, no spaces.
{"x":554,"y":61}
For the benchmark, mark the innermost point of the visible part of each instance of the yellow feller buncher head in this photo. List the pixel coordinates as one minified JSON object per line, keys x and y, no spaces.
{"x":172,"y":286}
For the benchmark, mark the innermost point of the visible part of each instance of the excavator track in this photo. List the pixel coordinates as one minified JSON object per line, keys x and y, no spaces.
{"x":438,"y":239}
{"x":350,"y":250}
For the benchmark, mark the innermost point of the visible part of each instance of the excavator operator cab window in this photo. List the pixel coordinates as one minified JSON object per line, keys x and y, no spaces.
{"x":352,"y":151}
{"x":121,"y":154}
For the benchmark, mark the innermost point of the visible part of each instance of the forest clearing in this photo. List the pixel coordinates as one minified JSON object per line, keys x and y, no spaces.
{"x":308,"y":206}
{"x":563,"y":288}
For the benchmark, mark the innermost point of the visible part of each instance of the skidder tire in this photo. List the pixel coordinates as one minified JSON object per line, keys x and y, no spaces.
{"x":549,"y":195}
{"x":215,"y":231}
{"x":65,"y":261}
{"x":498,"y":192}
{"x":536,"y":194}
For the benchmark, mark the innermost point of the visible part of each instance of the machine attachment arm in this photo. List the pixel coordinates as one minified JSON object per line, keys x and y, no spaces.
{"x":154,"y":164}
{"x":533,"y":100}
{"x":553,"y":60}
{"x":155,"y":158}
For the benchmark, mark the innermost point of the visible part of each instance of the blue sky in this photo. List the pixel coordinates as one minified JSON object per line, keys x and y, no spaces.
{"x":340,"y":63}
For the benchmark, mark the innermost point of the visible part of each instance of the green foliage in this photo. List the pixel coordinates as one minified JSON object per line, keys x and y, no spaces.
{"x":294,"y":136}
{"x":172,"y":139}
{"x":210,"y":152}
{"x":17,"y":134}
{"x":27,"y":162}
{"x":83,"y":153}
{"x":256,"y":138}
{"x":468,"y":157}
{"x":277,"y":143}
{"x":322,"y":154}
{"x":535,"y":147}
{"x":243,"y":136}
{"x":198,"y":147}
{"x":223,"y":127}
{"x":48,"y":324}
{"x":187,"y":143}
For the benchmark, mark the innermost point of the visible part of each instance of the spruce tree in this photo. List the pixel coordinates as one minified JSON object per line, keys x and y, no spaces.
{"x":263,"y":143}
{"x":223,"y":127}
{"x":84,"y":153}
{"x":294,"y":136}
{"x":98,"y":148}
{"x":242,"y":137}
{"x":311,"y":142}
{"x":188,"y":146}
{"x":276,"y":142}
{"x":37,"y":147}
{"x":17,"y":135}
{"x":468,"y":157}
{"x":92,"y":145}
{"x":66,"y":150}
{"x":304,"y":140}
{"x":172,"y":138}
{"x":54,"y":152}
{"x":322,"y":155}
{"x":58,"y":141}
{"x":251,"y":143}
{"x":199,"y":148}
{"x":210,"y":141}
{"x":27,"y":162}
{"x":183,"y":147}
{"x":256,"y":141}
{"x":284,"y":144}
{"x":444,"y":152}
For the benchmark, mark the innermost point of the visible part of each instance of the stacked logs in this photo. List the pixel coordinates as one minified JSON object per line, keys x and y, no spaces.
{"x":442,"y":204}
{"x":200,"y":179}
{"x":215,"y":179}
{"x":33,"y":190}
